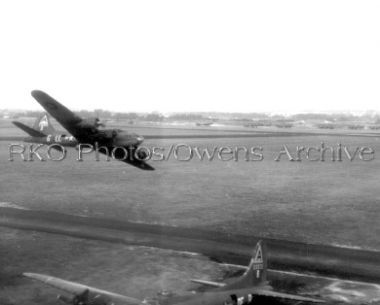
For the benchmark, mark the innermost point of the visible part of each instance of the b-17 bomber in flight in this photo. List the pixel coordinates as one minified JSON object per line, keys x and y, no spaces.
{"x":240,"y":291}
{"x":85,"y":131}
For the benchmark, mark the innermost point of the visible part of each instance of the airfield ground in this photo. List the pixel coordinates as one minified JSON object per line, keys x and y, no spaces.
{"x":135,"y":271}
{"x":317,"y":202}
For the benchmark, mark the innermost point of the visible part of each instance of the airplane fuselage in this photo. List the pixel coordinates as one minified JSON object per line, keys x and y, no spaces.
{"x":61,"y":139}
{"x":110,"y":137}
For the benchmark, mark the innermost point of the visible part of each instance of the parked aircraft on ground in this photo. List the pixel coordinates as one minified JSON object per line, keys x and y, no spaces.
{"x":240,"y":291}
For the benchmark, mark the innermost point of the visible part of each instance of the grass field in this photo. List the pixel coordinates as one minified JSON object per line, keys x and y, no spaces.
{"x":318,"y":202}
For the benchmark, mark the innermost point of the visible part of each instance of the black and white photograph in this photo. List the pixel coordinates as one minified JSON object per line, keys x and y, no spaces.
{"x":189,"y":152}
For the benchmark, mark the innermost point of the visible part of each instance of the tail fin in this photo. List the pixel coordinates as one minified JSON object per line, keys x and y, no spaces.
{"x":256,"y":273}
{"x":43,"y":124}
{"x":30,"y":131}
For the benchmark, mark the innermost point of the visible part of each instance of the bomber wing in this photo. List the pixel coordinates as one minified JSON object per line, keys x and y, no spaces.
{"x":79,"y":290}
{"x":140,"y":164}
{"x":68,"y":119}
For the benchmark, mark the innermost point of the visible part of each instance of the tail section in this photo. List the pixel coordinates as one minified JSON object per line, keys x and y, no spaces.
{"x":43,"y":124}
{"x":257,"y":270}
{"x":30,"y":131}
{"x":256,"y":273}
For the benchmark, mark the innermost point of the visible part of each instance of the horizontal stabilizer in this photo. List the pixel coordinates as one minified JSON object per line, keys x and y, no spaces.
{"x":30,"y":131}
{"x":208,"y":283}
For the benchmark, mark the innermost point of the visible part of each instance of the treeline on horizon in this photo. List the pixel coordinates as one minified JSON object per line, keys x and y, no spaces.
{"x":212,"y":116}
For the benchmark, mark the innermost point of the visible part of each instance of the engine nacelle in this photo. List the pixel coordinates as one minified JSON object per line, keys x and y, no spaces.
{"x":84,"y":299}
{"x":64,"y":299}
{"x":142,"y":155}
{"x":91,"y":123}
{"x":126,"y":139}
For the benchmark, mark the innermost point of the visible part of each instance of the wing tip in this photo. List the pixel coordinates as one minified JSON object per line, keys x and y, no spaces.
{"x":144,"y":166}
{"x":149,"y":168}
{"x":39,"y":96}
{"x":28,"y":274}
{"x":36,"y":93}
{"x":42,"y":97}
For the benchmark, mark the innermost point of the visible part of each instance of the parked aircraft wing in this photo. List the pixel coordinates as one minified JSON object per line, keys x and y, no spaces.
{"x":208,"y":283}
{"x":79,"y":289}
{"x":285,"y":296}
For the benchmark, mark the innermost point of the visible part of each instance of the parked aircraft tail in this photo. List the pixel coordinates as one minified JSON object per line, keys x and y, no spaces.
{"x":239,"y":292}
{"x":43,"y":124}
{"x":256,"y":273}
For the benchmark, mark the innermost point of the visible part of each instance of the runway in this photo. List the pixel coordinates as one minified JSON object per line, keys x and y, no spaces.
{"x":351,"y":264}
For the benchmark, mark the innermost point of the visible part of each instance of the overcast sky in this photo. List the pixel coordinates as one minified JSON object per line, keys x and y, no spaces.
{"x":243,"y":56}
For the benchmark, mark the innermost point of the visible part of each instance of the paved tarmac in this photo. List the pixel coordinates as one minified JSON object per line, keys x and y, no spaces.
{"x":345,"y":263}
